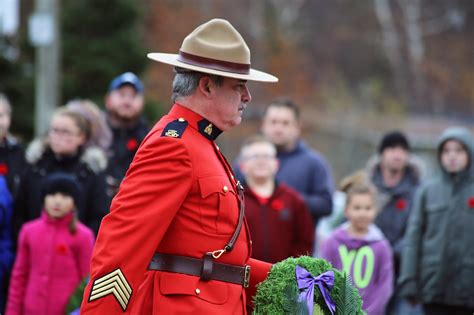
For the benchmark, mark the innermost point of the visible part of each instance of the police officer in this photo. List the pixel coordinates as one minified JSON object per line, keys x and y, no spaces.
{"x":176,"y":240}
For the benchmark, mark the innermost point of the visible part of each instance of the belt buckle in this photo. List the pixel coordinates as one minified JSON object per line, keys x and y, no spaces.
{"x":246,"y":276}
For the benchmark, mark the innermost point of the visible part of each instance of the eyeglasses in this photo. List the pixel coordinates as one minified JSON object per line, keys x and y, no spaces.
{"x":259,"y":157}
{"x":62,"y":132}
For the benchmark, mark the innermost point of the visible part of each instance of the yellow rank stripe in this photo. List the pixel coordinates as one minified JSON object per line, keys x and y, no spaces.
{"x":112,"y":283}
{"x":123,"y":295}
{"x":114,"y":275}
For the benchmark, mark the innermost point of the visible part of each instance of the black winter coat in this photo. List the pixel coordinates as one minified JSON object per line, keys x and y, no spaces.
{"x":88,"y":166}
{"x":124,"y":145}
{"x":12,"y":163}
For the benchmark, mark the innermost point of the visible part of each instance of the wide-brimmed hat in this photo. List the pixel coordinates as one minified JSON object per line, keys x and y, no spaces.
{"x":215,"y":47}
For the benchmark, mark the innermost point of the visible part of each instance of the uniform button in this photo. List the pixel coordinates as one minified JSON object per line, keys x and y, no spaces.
{"x":181,"y":119}
{"x":198,"y":291}
{"x":225,"y":189}
{"x":232,"y":176}
{"x":217,"y":147}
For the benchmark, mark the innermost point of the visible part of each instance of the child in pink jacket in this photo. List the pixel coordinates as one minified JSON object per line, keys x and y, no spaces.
{"x":54,"y":252}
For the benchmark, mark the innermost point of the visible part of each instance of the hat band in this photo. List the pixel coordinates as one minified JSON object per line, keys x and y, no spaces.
{"x":204,"y":62}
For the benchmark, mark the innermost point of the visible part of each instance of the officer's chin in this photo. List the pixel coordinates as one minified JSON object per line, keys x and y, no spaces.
{"x":237,"y":121}
{"x":230,"y":124}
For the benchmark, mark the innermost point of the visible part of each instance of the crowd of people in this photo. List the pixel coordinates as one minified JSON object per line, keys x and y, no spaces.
{"x":392,"y":228}
{"x":84,"y":155}
{"x":402,"y":235}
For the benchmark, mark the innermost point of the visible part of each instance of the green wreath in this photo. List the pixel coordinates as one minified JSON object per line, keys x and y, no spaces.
{"x":280,"y":292}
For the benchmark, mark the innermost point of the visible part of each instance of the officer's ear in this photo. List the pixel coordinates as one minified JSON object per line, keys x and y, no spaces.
{"x":204,"y":86}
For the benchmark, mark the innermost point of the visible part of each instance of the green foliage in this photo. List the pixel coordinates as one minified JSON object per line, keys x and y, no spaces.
{"x":291,"y":304}
{"x":99,"y":41}
{"x":17,"y":83}
{"x":153,"y":111}
{"x":278,"y":294}
{"x":346,"y":300}
{"x":76,"y":299}
{"x":18,"y":87}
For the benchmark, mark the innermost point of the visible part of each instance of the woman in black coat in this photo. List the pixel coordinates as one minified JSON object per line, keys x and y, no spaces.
{"x":63,"y":149}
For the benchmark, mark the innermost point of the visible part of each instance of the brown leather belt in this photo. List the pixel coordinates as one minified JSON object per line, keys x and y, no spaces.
{"x":201,"y":268}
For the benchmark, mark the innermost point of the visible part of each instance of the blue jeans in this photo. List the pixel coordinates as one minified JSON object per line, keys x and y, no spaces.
{"x":403,"y":307}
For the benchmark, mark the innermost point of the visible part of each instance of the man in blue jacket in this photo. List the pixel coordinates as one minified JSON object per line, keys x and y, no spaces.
{"x":302,"y":168}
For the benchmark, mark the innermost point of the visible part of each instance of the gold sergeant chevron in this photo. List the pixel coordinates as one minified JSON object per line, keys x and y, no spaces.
{"x":112,"y":283}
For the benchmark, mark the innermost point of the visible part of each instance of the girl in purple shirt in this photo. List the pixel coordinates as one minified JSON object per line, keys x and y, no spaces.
{"x":361,"y":250}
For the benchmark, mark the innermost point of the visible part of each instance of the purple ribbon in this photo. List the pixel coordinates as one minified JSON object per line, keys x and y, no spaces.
{"x":306,"y":283}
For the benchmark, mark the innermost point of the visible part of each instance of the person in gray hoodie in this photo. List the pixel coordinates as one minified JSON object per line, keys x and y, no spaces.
{"x":437,"y":265}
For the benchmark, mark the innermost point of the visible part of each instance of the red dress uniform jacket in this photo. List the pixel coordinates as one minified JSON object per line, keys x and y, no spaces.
{"x":179,"y":197}
{"x":280,"y":228}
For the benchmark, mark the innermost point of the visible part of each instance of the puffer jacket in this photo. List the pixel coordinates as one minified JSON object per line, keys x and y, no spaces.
{"x":88,"y":166}
{"x":438,"y":256}
{"x":50,"y":264}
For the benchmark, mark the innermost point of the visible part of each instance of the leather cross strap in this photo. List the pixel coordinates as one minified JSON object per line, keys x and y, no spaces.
{"x":240,"y":190}
{"x":230,"y":245}
{"x":194,"y":266}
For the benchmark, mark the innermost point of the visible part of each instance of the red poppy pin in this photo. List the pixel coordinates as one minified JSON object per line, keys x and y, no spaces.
{"x":401,"y":204}
{"x":3,"y":169}
{"x":132,"y":144}
{"x":470,"y":202}
{"x":61,"y":249}
{"x":277,"y":204}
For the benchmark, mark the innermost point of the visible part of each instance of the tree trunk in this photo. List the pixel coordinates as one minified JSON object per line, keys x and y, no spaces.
{"x":411,"y":16}
{"x":391,"y":43}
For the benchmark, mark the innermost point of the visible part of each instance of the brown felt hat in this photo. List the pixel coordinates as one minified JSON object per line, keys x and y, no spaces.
{"x":215,"y":47}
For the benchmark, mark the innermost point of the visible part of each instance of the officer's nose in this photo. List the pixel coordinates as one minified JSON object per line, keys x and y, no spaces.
{"x":246,"y":96}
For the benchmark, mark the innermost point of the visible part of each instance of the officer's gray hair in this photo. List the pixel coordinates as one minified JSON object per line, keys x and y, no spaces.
{"x":186,"y":81}
{"x":5,"y":102}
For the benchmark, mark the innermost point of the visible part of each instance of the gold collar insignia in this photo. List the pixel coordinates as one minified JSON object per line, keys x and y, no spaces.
{"x":172,"y":133}
{"x":208,"y":129}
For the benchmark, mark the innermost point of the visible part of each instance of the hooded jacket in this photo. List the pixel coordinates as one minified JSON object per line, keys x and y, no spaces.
{"x":88,"y":166}
{"x":395,"y":202}
{"x":438,"y":256}
{"x":368,"y":261}
{"x":50,"y":264}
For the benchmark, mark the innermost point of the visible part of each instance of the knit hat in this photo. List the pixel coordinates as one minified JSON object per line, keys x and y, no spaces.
{"x":394,"y":139}
{"x":64,"y":183}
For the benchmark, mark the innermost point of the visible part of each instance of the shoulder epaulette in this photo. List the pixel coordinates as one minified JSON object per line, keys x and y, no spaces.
{"x":175,"y":129}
